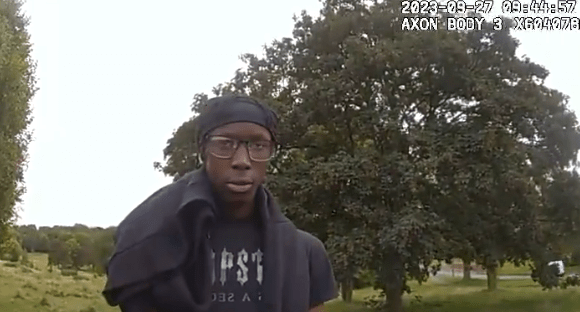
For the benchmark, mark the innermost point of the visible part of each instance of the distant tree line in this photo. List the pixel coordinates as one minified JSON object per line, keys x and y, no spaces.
{"x":76,"y":247}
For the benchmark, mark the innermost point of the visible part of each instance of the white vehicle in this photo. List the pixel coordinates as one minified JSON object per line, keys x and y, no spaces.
{"x":558,"y":264}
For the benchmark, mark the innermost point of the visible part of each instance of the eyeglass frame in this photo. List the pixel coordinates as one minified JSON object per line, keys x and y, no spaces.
{"x":237,"y":144}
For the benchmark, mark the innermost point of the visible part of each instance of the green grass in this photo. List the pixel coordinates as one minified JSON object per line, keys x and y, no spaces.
{"x":357,"y":305}
{"x":455,"y":295}
{"x":512,"y":295}
{"x":24,"y":292}
{"x":574,"y":269}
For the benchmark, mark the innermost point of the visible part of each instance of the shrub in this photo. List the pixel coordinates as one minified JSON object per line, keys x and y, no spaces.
{"x":69,"y":272}
{"x":25,"y":260}
{"x":11,"y":250}
{"x":99,"y":270}
{"x":18,"y":295}
{"x":11,"y":264}
{"x":575,"y":258}
{"x":80,"y":278}
{"x":570,"y":280}
{"x":55,"y":293}
{"x":365,"y":278}
{"x":44,"y":302}
{"x":29,"y":285}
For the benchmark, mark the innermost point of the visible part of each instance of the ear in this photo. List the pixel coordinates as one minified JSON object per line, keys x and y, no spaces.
{"x":201,"y":156}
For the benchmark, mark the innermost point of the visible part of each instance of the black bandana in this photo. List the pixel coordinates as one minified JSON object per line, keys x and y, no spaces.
{"x":225,"y":110}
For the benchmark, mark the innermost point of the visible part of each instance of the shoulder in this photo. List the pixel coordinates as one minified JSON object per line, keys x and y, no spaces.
{"x":322,"y":281}
{"x":154,"y":202}
{"x":309,"y":239}
{"x":150,"y":216}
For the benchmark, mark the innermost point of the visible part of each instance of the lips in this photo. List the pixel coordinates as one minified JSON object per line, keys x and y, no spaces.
{"x":239,"y":186}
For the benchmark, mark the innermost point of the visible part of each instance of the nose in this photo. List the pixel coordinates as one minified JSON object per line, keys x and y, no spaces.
{"x":241,"y":158}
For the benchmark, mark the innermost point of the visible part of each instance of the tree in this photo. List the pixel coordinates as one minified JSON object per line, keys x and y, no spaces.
{"x":85,"y":253}
{"x":104,"y":246}
{"x":72,"y":248}
{"x":77,"y":246}
{"x":346,"y":160}
{"x":58,"y":254}
{"x":32,"y":239}
{"x":181,"y":153}
{"x":560,"y":217}
{"x":514,"y":138}
{"x":17,"y":86}
{"x":11,"y":250}
{"x":562,"y":210}
{"x":349,"y":257}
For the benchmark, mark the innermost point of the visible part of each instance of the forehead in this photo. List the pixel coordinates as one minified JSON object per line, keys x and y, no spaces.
{"x":243,"y":130}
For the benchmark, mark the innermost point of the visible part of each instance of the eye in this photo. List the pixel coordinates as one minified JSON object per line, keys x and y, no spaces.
{"x":224,"y":143}
{"x":261,"y":144}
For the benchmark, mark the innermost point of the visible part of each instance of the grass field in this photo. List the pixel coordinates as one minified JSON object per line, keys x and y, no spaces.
{"x":39,"y":290}
{"x":454,"y":295}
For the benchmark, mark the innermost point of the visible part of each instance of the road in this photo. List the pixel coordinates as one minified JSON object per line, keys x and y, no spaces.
{"x":459,"y":274}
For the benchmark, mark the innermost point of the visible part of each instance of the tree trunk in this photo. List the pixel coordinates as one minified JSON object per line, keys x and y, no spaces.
{"x":491,"y":277}
{"x":466,"y":269}
{"x":346,"y":289}
{"x":394,"y":300}
{"x":466,"y":272}
{"x":394,"y":282}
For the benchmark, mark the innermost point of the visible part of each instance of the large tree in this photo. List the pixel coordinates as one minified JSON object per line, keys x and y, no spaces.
{"x":17,"y":86}
{"x":400,"y":148}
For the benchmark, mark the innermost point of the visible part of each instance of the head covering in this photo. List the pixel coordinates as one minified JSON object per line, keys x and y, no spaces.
{"x":224,"y":110}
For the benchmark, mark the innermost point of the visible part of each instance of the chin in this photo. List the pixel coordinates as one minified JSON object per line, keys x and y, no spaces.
{"x":241,"y":197}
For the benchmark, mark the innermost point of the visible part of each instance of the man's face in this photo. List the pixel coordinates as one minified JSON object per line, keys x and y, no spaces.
{"x":236,"y":179}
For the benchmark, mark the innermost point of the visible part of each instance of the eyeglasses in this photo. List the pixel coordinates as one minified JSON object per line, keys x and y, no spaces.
{"x":225,"y":148}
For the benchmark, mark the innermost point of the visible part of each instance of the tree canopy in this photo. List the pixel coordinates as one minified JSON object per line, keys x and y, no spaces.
{"x":17,"y":86}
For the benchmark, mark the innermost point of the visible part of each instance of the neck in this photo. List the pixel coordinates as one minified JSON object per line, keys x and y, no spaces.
{"x":239,"y":211}
{"x":235,"y":210}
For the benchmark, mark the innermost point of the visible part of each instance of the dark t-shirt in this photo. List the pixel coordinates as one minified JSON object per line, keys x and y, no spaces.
{"x":238,"y":266}
{"x":240,"y":288}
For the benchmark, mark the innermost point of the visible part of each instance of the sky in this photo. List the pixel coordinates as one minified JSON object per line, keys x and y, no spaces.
{"x":116,"y":78}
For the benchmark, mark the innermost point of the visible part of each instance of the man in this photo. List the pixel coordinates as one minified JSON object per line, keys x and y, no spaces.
{"x":215,"y":240}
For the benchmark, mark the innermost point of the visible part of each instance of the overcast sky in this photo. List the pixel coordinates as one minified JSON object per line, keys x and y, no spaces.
{"x":116,"y":78}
